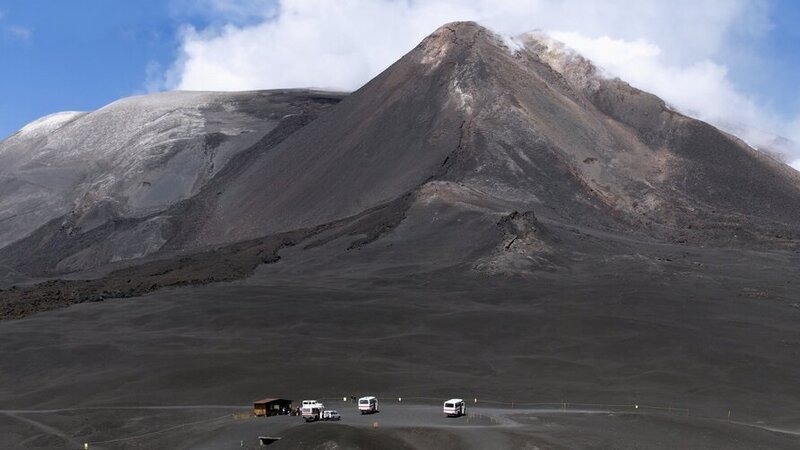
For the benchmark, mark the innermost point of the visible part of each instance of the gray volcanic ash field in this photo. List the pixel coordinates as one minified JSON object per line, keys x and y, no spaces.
{"x":501,"y":225}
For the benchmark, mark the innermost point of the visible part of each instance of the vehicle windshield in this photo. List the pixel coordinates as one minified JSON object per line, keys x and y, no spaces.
{"x":449,"y":405}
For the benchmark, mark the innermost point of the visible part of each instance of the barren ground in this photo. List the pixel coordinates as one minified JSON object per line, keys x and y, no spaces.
{"x":697,"y":331}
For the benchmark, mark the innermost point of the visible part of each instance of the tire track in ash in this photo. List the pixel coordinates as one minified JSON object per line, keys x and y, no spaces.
{"x":17,"y":414}
{"x":46,"y":428}
{"x":102,"y":408}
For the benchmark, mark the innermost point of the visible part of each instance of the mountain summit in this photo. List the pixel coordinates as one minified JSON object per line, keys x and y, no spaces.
{"x":470,"y":151}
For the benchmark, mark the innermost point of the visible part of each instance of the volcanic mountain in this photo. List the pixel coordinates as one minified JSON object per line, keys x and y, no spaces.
{"x":463,"y":133}
{"x":487,"y":218}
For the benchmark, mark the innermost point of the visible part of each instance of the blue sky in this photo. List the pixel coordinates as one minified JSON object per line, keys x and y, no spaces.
{"x":60,"y":55}
{"x":77,"y":55}
{"x":82,"y":54}
{"x":777,"y":80}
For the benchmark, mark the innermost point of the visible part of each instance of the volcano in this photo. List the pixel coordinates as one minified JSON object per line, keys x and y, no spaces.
{"x":558,"y":225}
{"x":461,"y":126}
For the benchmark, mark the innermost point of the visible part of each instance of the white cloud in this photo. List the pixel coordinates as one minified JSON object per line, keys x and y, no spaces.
{"x":673,"y":49}
{"x":20,"y":33}
{"x":700,"y":88}
{"x":236,"y":11}
{"x":343,"y":44}
{"x":326,"y":44}
{"x":794,"y":134}
{"x":794,"y":130}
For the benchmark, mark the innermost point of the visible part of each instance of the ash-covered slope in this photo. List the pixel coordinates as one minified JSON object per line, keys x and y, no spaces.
{"x":69,"y":173}
{"x":474,"y":146}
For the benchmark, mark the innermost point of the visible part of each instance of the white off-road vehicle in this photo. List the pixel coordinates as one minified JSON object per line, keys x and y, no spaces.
{"x":312,"y":410}
{"x":331,"y":414}
{"x":368,"y":405}
{"x":455,"y":407}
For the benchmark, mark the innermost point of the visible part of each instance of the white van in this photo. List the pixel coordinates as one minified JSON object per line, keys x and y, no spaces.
{"x":312,"y":403}
{"x":368,"y":405}
{"x":312,"y":410}
{"x":311,"y":413}
{"x":455,"y":407}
